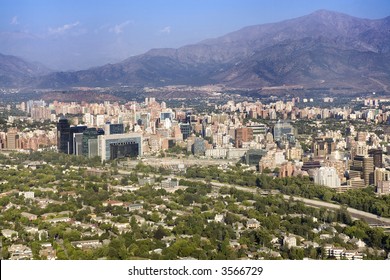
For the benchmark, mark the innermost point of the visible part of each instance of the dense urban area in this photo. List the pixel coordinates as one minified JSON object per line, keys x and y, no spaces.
{"x":221,"y":176}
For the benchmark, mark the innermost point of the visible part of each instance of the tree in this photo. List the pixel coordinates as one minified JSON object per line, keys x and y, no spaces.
{"x":117,"y":249}
{"x":160,"y":233}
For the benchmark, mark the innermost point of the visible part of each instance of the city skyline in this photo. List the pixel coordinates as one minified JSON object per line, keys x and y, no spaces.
{"x":72,"y":35}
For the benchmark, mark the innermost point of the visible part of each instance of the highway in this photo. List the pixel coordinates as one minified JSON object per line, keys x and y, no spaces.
{"x":355,"y":213}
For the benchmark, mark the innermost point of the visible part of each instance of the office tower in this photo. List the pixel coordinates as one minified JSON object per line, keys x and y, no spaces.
{"x":78,"y":144}
{"x":110,"y":128}
{"x":282,"y":128}
{"x":74,"y":130}
{"x":199,"y":147}
{"x":63,"y":135}
{"x":65,"y":138}
{"x":119,"y":145}
{"x":89,"y":142}
{"x":186,"y":130}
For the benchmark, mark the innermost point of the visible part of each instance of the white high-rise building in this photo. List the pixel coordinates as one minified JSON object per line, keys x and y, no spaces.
{"x":327,"y":176}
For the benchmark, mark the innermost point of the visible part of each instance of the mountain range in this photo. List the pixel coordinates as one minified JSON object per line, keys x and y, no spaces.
{"x":322,"y":49}
{"x":16,"y":72}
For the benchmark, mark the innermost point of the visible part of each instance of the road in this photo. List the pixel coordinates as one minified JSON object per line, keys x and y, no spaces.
{"x":355,"y":213}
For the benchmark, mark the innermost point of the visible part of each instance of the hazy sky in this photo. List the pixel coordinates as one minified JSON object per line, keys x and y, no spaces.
{"x":78,"y":34}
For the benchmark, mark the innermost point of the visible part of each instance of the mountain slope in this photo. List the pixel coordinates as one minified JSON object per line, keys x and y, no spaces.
{"x":321,"y":49}
{"x":15,"y":71}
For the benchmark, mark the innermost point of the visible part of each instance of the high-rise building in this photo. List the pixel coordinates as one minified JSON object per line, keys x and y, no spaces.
{"x":119,"y":145}
{"x":381,"y":174}
{"x":65,"y":132}
{"x":323,"y":147}
{"x":243,"y":134}
{"x":113,"y":128}
{"x":361,"y":136}
{"x":2,"y":141}
{"x":377,"y":155}
{"x":383,"y":187}
{"x":253,"y":156}
{"x":361,"y":148}
{"x":282,"y":128}
{"x":89,"y":142}
{"x":63,"y":135}
{"x":13,"y":139}
{"x":186,"y":130}
{"x":368,"y":170}
{"x":73,"y":130}
{"x":327,"y":176}
{"x":199,"y":147}
{"x":166,"y":115}
{"x":258,"y":128}
{"x":78,"y":144}
{"x":144,"y":120}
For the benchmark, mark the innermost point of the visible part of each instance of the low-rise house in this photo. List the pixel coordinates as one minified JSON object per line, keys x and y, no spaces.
{"x":358,"y":242}
{"x":87,"y":244}
{"x":234,"y":244}
{"x":133,"y":207}
{"x":169,"y":240}
{"x":344,"y":237}
{"x":20,"y":252}
{"x":238,"y":226}
{"x":307,"y":244}
{"x":252,"y":224}
{"x":342,"y":253}
{"x":219,"y":218}
{"x":29,"y":216}
{"x":122,"y":227}
{"x":44,"y":202}
{"x":34,"y":164}
{"x":27,"y":195}
{"x":31,"y":230}
{"x":47,"y":252}
{"x":290,"y":241}
{"x":9,"y":233}
{"x":269,"y":252}
{"x":325,"y":236}
{"x":147,"y":180}
{"x":156,"y":251}
{"x":112,"y":203}
{"x":59,"y":220}
{"x":95,"y":172}
{"x":140,"y":220}
{"x":169,"y":183}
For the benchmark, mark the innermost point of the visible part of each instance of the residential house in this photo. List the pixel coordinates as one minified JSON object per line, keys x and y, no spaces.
{"x":29,"y":216}
{"x":252,"y":224}
{"x":20,"y":252}
{"x":86,"y":244}
{"x":290,"y":241}
{"x":9,"y":233}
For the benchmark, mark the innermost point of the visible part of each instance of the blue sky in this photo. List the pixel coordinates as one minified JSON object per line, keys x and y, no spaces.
{"x":78,"y":34}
